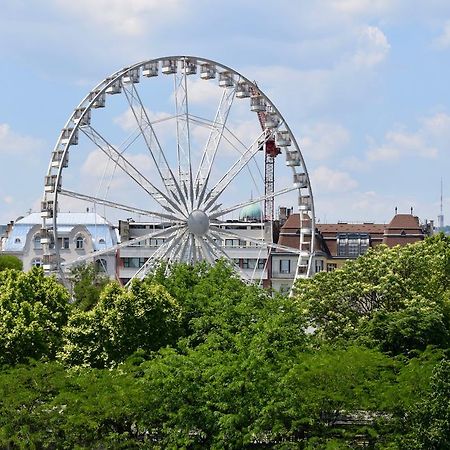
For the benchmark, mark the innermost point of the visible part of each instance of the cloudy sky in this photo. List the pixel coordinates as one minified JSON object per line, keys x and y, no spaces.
{"x":363,"y":84}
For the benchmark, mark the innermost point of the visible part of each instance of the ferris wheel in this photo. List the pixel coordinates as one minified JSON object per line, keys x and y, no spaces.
{"x":187,"y":143}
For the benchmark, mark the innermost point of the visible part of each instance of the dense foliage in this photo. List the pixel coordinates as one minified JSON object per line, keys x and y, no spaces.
{"x":199,"y":359}
{"x":33,"y":311}
{"x":10,"y":262}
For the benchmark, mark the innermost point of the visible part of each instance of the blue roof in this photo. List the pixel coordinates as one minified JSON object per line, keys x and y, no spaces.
{"x":101,"y":230}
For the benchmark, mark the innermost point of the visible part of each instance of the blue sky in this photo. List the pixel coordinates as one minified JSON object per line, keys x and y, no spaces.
{"x":363,"y":84}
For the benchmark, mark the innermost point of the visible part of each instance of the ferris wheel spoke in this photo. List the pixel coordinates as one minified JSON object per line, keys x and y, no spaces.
{"x":213,"y":142}
{"x":183,"y":133}
{"x":224,"y":254}
{"x":231,"y":174}
{"x":258,"y":243}
{"x":153,"y":260}
{"x":112,"y":249}
{"x":151,"y":140}
{"x":222,"y":212}
{"x":213,"y":256}
{"x":193,"y":248}
{"x":112,"y":153}
{"x":116,"y":205}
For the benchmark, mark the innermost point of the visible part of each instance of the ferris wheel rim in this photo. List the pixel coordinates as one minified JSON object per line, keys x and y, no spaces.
{"x":101,"y":88}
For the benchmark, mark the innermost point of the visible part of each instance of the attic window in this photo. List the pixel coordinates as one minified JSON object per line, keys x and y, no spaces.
{"x":17,"y":241}
{"x":403,"y":233}
{"x":101,"y":241}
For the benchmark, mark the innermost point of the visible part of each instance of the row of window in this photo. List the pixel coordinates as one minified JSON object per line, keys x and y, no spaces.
{"x":243,"y":263}
{"x":235,"y":243}
{"x":63,"y":243}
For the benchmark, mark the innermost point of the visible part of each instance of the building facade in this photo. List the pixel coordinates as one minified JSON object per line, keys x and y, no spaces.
{"x":79,"y":234}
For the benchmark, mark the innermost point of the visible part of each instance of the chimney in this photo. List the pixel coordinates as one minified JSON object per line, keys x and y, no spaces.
{"x":396,"y":209}
{"x":411,"y":210}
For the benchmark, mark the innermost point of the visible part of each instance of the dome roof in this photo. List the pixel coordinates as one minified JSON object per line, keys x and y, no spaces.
{"x":251,"y":213}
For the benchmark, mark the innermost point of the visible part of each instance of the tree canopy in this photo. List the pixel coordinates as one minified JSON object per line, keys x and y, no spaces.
{"x":195,"y":358}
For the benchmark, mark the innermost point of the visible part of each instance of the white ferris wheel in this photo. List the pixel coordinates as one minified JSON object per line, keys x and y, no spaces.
{"x":187,"y":142}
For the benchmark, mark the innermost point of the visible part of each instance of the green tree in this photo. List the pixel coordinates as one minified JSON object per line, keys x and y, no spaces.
{"x":429,"y":420}
{"x":87,"y":284}
{"x":33,"y":310}
{"x":396,"y":298}
{"x":10,"y":262}
{"x":145,"y":317}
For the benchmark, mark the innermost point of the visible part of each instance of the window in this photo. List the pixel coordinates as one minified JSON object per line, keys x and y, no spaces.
{"x":248,"y":263}
{"x":79,"y":243}
{"x":101,"y":241}
{"x":156,"y":242}
{"x":17,"y":241}
{"x":285,"y":266}
{"x":231,"y":242}
{"x":37,"y":242}
{"x":63,"y":243}
{"x":351,"y":245}
{"x":133,"y":263}
{"x":36,"y":262}
{"x":261,"y":263}
{"x":318,"y":265}
{"x":331,"y":267}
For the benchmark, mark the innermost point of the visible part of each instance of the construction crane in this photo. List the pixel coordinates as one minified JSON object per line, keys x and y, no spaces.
{"x":271,"y":151}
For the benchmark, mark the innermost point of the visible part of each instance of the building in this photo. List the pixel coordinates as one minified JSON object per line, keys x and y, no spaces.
{"x":79,"y":234}
{"x":336,"y":243}
{"x":250,"y":259}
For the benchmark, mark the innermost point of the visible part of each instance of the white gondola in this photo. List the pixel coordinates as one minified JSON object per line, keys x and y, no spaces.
{"x":226,"y":79}
{"x":168,"y":66}
{"x":300,"y":180}
{"x":49,"y":262}
{"x":114,"y":87}
{"x":293,"y":159}
{"x":243,"y":90}
{"x":150,"y":70}
{"x":188,"y":66}
{"x":257,"y":103}
{"x":272,"y":120}
{"x":50,"y":183}
{"x":82,"y":116}
{"x":304,"y":203}
{"x":207,"y":71}
{"x":58,"y":158}
{"x":132,"y":76}
{"x":66,"y":136}
{"x":283,"y":139}
{"x":45,"y":236}
{"x":100,"y":99}
{"x":47,"y":209}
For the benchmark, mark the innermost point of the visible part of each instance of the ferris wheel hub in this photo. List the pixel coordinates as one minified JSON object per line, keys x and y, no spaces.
{"x":198,"y":222}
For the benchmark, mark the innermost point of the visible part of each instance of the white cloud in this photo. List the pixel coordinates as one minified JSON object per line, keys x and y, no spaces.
{"x":322,"y":140}
{"x":12,"y":142}
{"x":427,"y":142}
{"x":326,"y":179}
{"x":443,"y":41}
{"x":373,"y":47}
{"x":129,"y":18}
